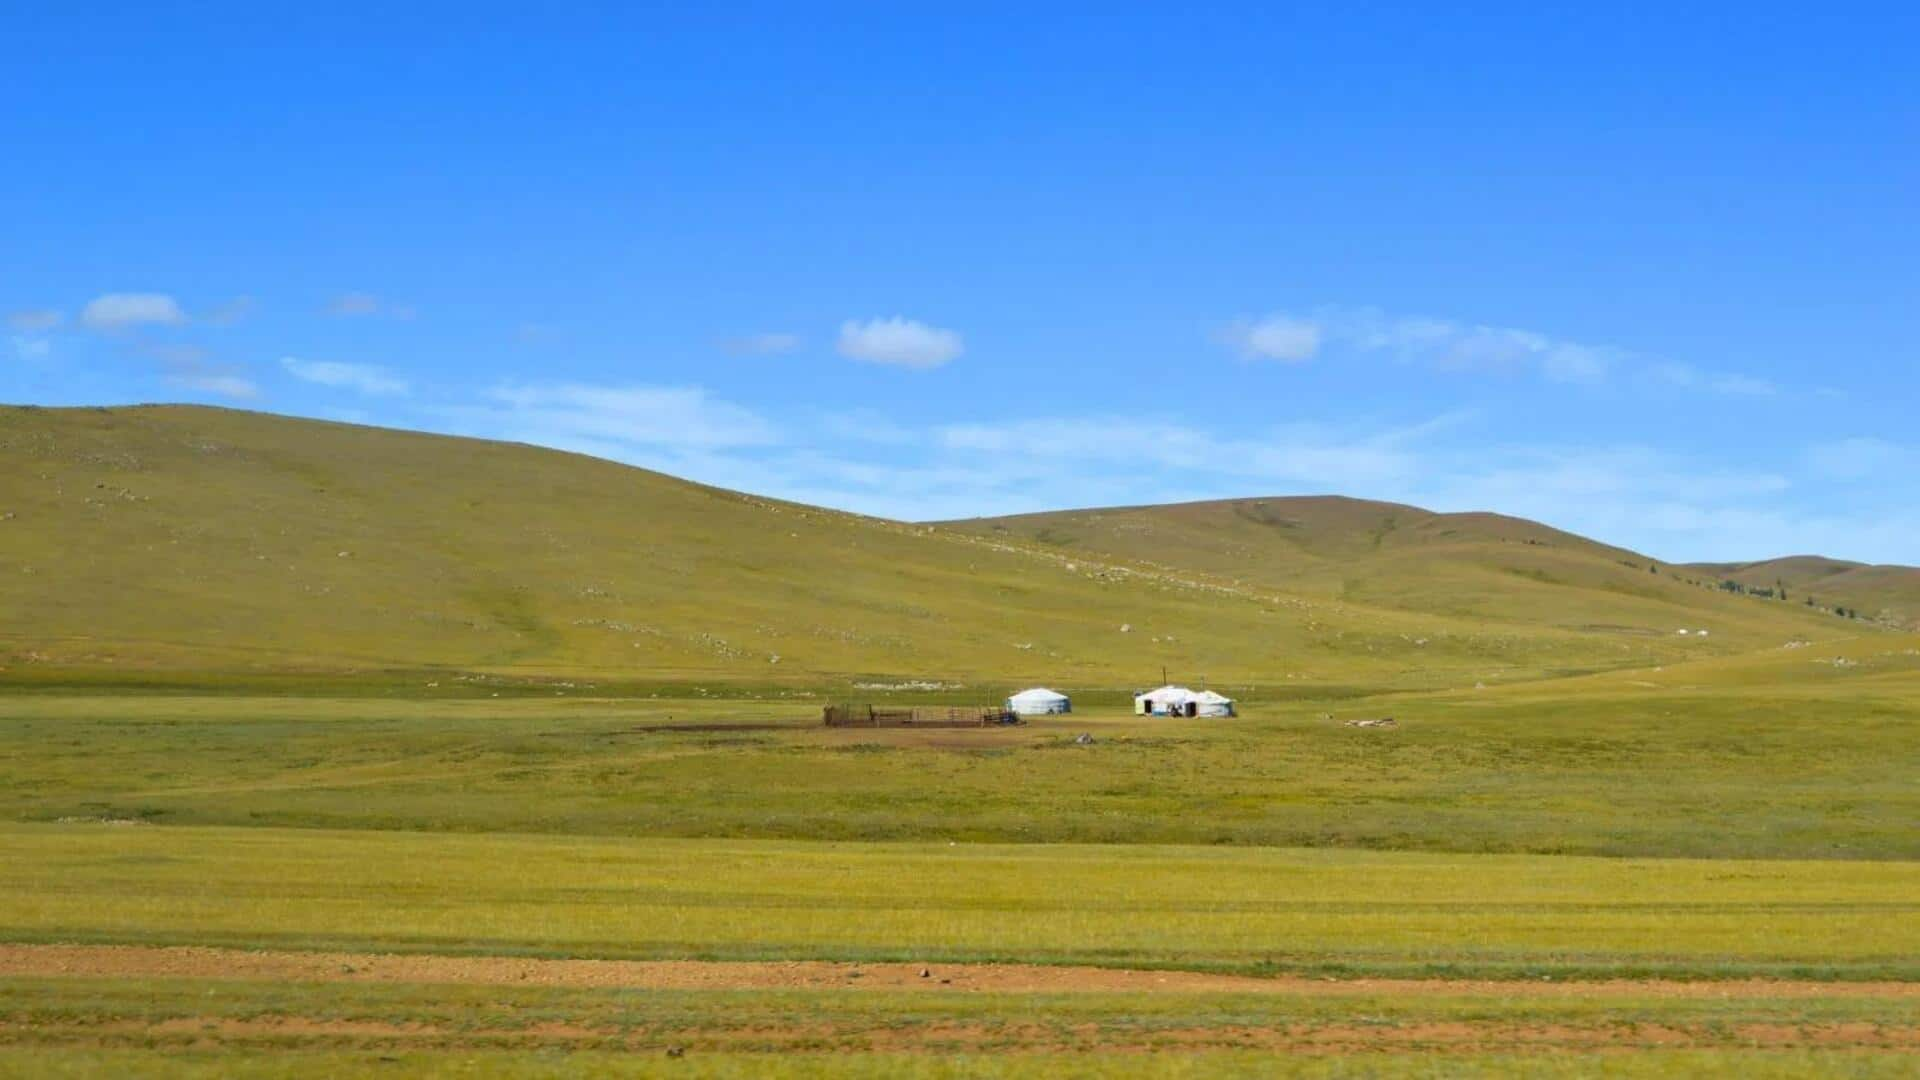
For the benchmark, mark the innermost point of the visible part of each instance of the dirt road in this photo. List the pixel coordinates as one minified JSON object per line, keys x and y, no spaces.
{"x":194,"y":962}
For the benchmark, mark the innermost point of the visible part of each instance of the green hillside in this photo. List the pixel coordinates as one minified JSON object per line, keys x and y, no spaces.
{"x":1487,"y":567}
{"x":1889,"y":594}
{"x":141,"y":543}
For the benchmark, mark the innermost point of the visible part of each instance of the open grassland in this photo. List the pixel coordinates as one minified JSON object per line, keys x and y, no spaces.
{"x":1225,"y":909}
{"x":87,"y":1026}
{"x":435,"y":831}
{"x":1800,"y":753}
{"x":141,"y":546}
{"x":475,"y":749}
{"x":1551,"y":1063}
{"x":460,"y":919}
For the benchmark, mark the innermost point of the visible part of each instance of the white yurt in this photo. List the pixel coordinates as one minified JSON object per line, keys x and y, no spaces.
{"x":1038,"y":701}
{"x":1212,"y":704}
{"x":1166,"y":701}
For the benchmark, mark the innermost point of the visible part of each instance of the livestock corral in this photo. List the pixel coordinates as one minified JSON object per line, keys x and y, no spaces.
{"x":875,"y":716}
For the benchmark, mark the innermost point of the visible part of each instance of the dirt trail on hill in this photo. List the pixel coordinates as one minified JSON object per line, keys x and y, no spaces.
{"x":123,"y":961}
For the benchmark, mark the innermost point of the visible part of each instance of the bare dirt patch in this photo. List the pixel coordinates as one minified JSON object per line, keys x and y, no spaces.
{"x":1451,"y":1037}
{"x":127,"y":961}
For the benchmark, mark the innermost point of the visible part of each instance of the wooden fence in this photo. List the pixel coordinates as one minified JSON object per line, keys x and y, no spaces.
{"x":923,"y":717}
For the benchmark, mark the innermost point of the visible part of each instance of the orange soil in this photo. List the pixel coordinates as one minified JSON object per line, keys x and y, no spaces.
{"x":122,"y":961}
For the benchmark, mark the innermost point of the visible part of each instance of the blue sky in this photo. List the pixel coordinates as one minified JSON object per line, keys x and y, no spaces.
{"x":1650,"y":277}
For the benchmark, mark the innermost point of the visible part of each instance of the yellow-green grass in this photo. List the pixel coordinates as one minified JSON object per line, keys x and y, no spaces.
{"x":1889,"y":593}
{"x":844,"y":1015}
{"x":1757,"y":1064}
{"x":1788,"y":755}
{"x":161,"y":545}
{"x":1478,"y":565}
{"x":1228,"y":909}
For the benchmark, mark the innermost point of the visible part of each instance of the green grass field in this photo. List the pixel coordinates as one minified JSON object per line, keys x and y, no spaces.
{"x":1228,"y":909}
{"x":167,"y":544}
{"x":314,"y":690}
{"x":1784,"y":756}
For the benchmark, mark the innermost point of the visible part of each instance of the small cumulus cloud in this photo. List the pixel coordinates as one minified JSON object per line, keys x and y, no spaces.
{"x":898,"y":342}
{"x":760,"y":344}
{"x":34,"y":321}
{"x":360,"y":305}
{"x":365,"y":379}
{"x":120,"y":311}
{"x":1275,"y":337}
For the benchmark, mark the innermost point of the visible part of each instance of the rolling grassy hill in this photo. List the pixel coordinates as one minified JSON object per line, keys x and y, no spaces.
{"x":1499,"y":570}
{"x":1888,"y":594}
{"x":142,"y":543}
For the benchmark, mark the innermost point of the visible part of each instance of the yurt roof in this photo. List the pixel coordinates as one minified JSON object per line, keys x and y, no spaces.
{"x":1038,"y":693}
{"x":1168,"y":693}
{"x":1212,"y":698}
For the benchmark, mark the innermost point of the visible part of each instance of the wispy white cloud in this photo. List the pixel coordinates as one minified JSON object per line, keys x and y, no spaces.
{"x":176,"y":354}
{"x":1274,"y":337}
{"x":1456,"y":346}
{"x":652,"y":416}
{"x":1298,"y":456}
{"x":1450,"y":345}
{"x":1689,"y":377}
{"x":231,"y":312}
{"x":120,"y":311}
{"x":217,"y":383}
{"x":1862,"y":459}
{"x":30,"y":348}
{"x":351,"y":305}
{"x":34,"y":321}
{"x":899,"y":342}
{"x":863,"y":426}
{"x":366,"y":379}
{"x":767,"y":344}
{"x":1669,"y":504}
